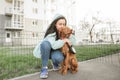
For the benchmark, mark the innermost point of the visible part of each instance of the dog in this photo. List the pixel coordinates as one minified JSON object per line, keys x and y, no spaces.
{"x":70,"y":61}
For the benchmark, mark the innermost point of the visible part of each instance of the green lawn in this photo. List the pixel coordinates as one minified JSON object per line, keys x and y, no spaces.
{"x":20,"y":61}
{"x":86,"y":52}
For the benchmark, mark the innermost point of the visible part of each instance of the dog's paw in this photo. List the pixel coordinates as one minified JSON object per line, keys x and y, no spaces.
{"x":64,"y":73}
{"x":75,"y":71}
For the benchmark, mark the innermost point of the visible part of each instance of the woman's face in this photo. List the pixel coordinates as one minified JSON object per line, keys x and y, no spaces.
{"x":60,"y":23}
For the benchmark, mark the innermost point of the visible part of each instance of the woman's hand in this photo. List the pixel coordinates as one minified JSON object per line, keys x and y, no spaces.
{"x":67,"y":41}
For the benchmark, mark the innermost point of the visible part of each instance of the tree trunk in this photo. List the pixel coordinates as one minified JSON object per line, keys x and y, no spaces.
{"x":111,"y":38}
{"x":91,"y":36}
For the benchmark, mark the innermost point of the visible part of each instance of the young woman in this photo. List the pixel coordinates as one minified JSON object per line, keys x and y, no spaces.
{"x":51,"y":44}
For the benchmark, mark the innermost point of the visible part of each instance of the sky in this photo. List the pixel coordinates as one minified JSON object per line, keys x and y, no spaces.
{"x":106,"y":8}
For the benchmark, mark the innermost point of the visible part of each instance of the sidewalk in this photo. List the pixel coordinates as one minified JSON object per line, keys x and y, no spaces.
{"x":88,"y":70}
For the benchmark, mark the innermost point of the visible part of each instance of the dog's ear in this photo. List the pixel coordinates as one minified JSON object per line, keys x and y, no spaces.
{"x":71,"y":31}
{"x":61,"y":32}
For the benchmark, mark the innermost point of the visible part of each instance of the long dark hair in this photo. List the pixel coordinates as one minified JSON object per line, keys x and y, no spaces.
{"x":52,"y":28}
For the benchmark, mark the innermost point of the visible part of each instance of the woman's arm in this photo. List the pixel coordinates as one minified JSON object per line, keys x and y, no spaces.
{"x":56,"y":44}
{"x":72,"y":39}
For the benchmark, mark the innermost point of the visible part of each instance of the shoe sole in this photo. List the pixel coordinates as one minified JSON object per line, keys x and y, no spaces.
{"x":43,"y":77}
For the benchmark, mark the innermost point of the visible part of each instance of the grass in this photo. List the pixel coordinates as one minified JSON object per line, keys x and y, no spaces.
{"x":17,"y":61}
{"x":87,"y":52}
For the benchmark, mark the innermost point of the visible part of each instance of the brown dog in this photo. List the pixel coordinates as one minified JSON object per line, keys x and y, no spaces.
{"x":70,"y":61}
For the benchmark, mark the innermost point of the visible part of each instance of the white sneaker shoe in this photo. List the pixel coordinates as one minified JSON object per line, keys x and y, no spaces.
{"x":55,"y":67}
{"x":44,"y":73}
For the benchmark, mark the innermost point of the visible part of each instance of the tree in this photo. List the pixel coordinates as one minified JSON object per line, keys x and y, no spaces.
{"x":89,"y":25}
{"x":111,"y":24}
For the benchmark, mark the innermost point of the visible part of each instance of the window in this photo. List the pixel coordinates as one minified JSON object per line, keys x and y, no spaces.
{"x":35,"y":22}
{"x":52,"y":1}
{"x":34,"y":1}
{"x":18,"y":4}
{"x":35,"y":10}
{"x":8,"y":35}
{"x":16,"y":34}
{"x":34,"y":34}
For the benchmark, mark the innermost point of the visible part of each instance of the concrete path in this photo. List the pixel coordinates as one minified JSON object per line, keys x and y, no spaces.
{"x":95,"y":69}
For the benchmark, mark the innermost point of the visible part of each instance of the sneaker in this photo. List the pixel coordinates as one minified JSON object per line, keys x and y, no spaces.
{"x":44,"y":73}
{"x":55,"y":67}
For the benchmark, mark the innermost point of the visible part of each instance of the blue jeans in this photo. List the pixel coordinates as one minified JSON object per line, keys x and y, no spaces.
{"x":47,"y":52}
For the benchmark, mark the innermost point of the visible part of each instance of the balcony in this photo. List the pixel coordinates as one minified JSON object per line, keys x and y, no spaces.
{"x":10,"y":1}
{"x":18,"y":10}
{"x":8,"y":11}
{"x":13,"y":26}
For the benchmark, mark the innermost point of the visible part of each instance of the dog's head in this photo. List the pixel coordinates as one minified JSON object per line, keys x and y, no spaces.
{"x":65,"y":32}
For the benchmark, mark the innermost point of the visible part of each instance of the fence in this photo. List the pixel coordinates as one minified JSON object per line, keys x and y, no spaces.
{"x":16,"y":57}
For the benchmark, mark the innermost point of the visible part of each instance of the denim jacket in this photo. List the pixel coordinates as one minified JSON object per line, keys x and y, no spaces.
{"x":55,"y":44}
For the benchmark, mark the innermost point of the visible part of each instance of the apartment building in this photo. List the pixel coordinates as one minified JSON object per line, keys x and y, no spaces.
{"x":110,"y":33}
{"x":12,"y":21}
{"x":23,"y":22}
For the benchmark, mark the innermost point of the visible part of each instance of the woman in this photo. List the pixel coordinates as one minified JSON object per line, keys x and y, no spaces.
{"x":51,"y":44}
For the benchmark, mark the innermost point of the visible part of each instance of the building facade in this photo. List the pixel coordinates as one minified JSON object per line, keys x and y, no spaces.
{"x":12,"y":21}
{"x":22,"y":21}
{"x":110,"y":33}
